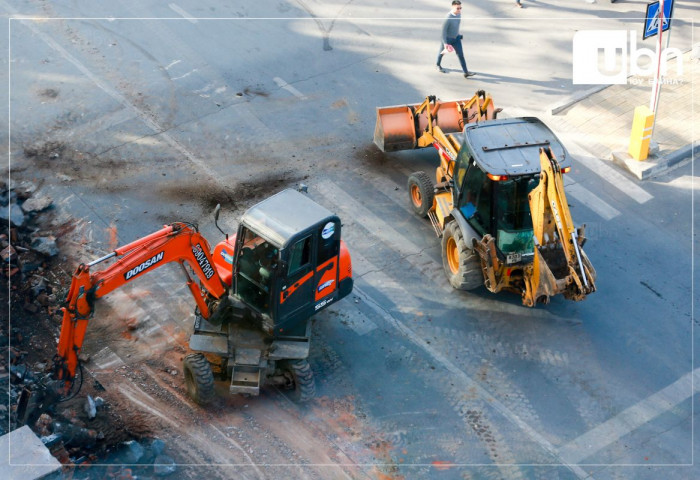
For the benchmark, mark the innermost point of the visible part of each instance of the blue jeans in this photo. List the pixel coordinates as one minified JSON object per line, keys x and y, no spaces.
{"x":457,"y":45}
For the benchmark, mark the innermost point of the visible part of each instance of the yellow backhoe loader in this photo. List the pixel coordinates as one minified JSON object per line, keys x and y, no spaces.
{"x":498,"y":198}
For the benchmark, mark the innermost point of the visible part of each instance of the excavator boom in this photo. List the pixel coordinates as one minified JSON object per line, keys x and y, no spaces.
{"x":178,"y":242}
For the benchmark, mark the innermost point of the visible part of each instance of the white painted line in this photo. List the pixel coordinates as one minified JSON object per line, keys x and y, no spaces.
{"x":282,"y":84}
{"x":131,"y":395}
{"x":106,"y":358}
{"x":370,"y":221}
{"x":174,"y":62}
{"x":360,"y":324}
{"x":379,"y":228}
{"x":145,"y":118}
{"x":615,"y":178}
{"x":467,"y":383}
{"x":605,"y":170}
{"x":185,"y":75}
{"x":183,"y":13}
{"x":589,"y":199}
{"x":634,"y":417}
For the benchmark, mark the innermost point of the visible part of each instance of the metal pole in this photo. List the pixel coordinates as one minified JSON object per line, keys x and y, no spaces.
{"x":656,"y":90}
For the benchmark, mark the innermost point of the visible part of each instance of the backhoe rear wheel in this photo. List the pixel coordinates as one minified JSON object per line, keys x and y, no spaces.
{"x":199,"y":379}
{"x":462,"y":264}
{"x":421,"y":192}
{"x":302,"y":386}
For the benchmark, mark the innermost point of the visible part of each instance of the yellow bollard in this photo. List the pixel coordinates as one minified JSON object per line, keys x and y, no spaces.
{"x":641,"y":132}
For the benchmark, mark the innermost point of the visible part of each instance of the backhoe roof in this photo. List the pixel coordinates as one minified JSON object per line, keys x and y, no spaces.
{"x":283,"y":215}
{"x":511,"y":146}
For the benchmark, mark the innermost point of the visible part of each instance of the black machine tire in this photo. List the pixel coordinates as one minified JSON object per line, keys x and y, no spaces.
{"x":421,"y":193}
{"x":199,"y":379}
{"x":461,"y":263}
{"x":303,"y":388}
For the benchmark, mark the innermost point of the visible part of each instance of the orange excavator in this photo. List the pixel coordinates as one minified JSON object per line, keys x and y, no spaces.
{"x":256,"y":294}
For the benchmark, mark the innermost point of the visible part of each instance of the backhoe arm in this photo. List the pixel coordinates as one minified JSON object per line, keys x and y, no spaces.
{"x":178,"y":242}
{"x":560,"y":265}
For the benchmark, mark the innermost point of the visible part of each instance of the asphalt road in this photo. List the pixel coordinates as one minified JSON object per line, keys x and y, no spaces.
{"x":160,"y":111}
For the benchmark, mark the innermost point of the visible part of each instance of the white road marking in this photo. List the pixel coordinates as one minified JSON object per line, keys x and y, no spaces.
{"x":467,"y":383}
{"x":360,"y":324}
{"x":131,"y":395}
{"x":634,"y":417}
{"x":370,"y":221}
{"x":185,"y":75}
{"x":615,"y":178}
{"x":589,"y":199}
{"x":282,"y":84}
{"x":605,"y":170}
{"x":106,"y":358}
{"x":183,"y":13}
{"x":174,"y":62}
{"x":157,"y":128}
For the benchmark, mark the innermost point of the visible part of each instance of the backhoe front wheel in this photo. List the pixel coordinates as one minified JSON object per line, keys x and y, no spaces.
{"x":302,"y":386}
{"x":462,"y":264}
{"x":199,"y":379}
{"x":421,"y":192}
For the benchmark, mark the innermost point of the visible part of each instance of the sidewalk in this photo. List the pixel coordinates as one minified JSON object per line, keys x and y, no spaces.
{"x":604,"y":118}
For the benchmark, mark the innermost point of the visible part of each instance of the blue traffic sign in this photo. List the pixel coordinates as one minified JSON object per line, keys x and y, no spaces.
{"x":651,"y":22}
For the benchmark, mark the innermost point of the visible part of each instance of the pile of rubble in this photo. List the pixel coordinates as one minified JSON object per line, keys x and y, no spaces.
{"x":83,"y":431}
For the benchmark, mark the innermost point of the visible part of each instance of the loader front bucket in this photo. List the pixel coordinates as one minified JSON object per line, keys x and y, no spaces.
{"x":400,"y":127}
{"x":395,"y":129}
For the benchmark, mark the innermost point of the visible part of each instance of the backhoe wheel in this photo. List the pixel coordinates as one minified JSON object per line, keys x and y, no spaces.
{"x":462,"y":264}
{"x":421,"y":193}
{"x":199,"y":379}
{"x":302,"y":388}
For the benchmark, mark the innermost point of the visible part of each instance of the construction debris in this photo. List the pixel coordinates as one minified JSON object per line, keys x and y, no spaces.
{"x":79,"y":432}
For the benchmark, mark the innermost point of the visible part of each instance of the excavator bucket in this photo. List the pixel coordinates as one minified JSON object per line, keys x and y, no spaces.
{"x":400,"y":127}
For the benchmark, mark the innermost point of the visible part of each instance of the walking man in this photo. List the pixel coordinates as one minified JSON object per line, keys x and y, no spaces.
{"x":451,"y":39}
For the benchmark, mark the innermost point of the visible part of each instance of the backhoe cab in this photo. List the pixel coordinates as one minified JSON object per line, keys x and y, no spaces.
{"x":509,"y":207}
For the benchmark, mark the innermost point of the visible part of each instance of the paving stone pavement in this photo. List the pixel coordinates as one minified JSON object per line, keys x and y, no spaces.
{"x":604,"y":117}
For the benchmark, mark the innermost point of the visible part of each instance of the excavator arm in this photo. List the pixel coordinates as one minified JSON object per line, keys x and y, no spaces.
{"x":560,"y":264}
{"x":177,"y":242}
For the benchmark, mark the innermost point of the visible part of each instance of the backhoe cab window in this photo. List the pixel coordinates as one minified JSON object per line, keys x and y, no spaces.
{"x":256,"y":265}
{"x":475,"y":199}
{"x":514,"y":233}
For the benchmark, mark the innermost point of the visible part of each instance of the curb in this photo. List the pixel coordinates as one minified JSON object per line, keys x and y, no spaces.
{"x":575,"y":99}
{"x":646,"y":169}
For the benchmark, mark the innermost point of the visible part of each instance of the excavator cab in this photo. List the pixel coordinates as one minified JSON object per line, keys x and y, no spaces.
{"x":290,"y":261}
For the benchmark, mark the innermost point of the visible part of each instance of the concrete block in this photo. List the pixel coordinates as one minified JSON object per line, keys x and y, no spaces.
{"x":655,"y":165}
{"x":23,"y":456}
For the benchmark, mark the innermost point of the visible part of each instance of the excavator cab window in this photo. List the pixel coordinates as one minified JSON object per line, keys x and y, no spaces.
{"x":299,"y":256}
{"x":255,"y":269}
{"x":514,"y":234}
